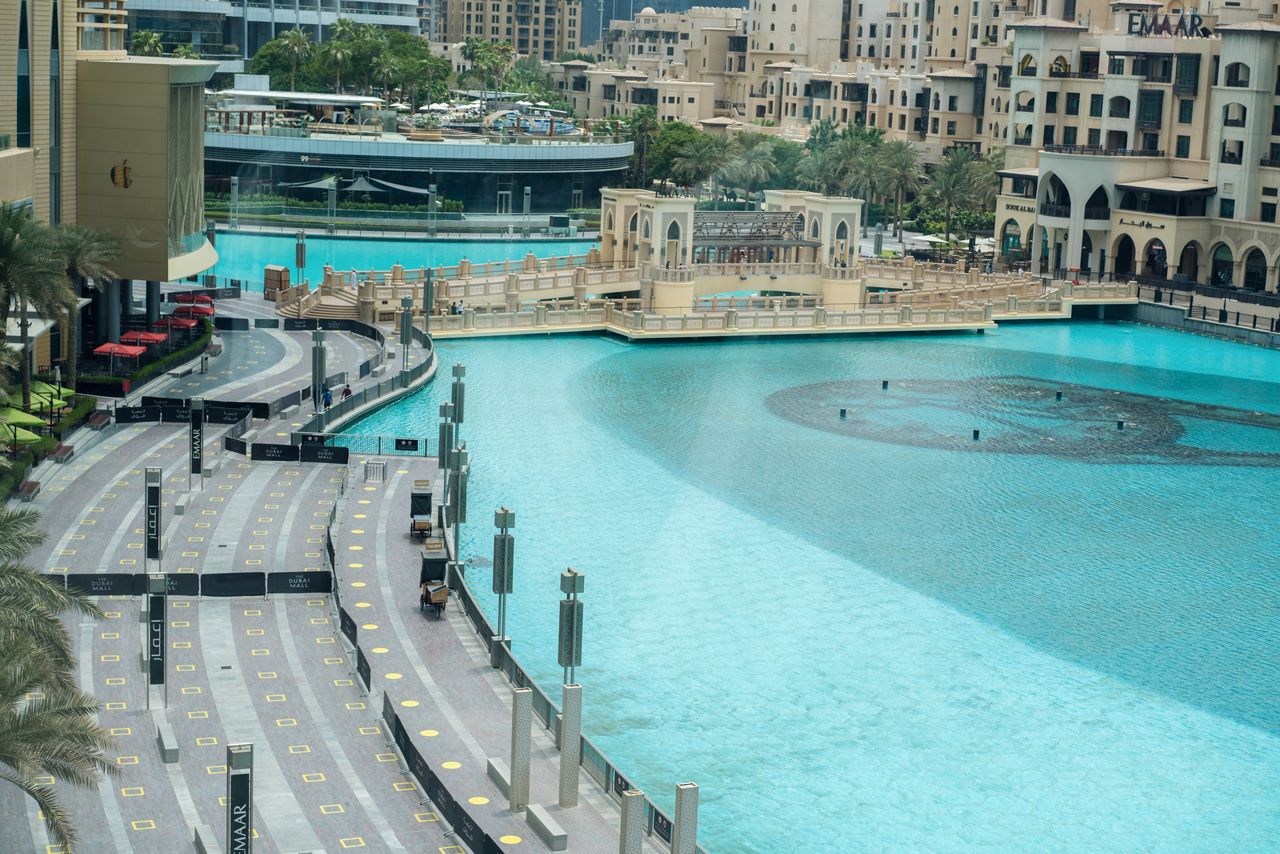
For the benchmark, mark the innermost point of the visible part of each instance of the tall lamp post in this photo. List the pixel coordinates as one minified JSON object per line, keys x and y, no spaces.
{"x":504,"y":558}
{"x":570,"y":658}
{"x":458,"y":396}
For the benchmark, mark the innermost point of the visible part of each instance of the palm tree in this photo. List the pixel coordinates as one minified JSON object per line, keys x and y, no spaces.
{"x":370,"y":43}
{"x":339,"y":52}
{"x":88,"y":254}
{"x":903,"y":175}
{"x":700,"y":159}
{"x":951,"y":184}
{"x":297,"y":46}
{"x":386,"y":69}
{"x":146,"y":43}
{"x":862,"y":171}
{"x":344,"y":30}
{"x":986,"y":178}
{"x":642,"y":127}
{"x":820,"y":171}
{"x":31,"y":275}
{"x":751,"y":167}
{"x":185,"y":51}
{"x":55,"y":734}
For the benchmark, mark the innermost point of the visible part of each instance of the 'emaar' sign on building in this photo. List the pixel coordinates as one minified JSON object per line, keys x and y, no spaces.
{"x":1189,"y":25}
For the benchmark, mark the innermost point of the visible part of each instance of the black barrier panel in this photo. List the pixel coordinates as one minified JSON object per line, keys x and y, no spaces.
{"x":233,"y":584}
{"x":224,"y":415}
{"x":107,"y":583}
{"x":338,"y":324}
{"x":182,"y":584}
{"x":137,"y":414}
{"x":324,"y":454}
{"x":362,"y":668}
{"x":662,"y":826}
{"x":235,"y":446}
{"x":234,"y":324}
{"x":335,"y":380}
{"x":491,"y":846}
{"x":279,"y":453}
{"x":328,"y":547}
{"x":465,"y":826}
{"x":620,"y":784}
{"x":260,"y":409}
{"x":406,"y":444}
{"x":293,"y":398}
{"x":266,"y":323}
{"x":165,"y":401}
{"x":365,"y":368}
{"x":401,"y":736}
{"x":307,"y":581}
{"x":292,"y":324}
{"x":175,"y":415}
{"x":347,"y":624}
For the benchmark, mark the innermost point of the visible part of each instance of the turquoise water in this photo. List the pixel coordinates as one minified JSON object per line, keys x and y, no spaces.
{"x":243,"y":255}
{"x":870,"y":635}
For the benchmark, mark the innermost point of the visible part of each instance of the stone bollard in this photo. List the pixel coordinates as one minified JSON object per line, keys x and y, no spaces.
{"x":974,"y":276}
{"x":819,"y":316}
{"x":988,"y":311}
{"x":905,"y":315}
{"x":468,"y":318}
{"x":540,"y":315}
{"x":731,"y":319}
{"x":1013,"y":304}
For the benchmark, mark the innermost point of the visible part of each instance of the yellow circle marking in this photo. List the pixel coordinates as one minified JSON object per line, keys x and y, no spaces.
{"x":379,"y":650}
{"x":428,"y":733}
{"x":356,"y":548}
{"x":355,"y":566}
{"x":357,"y":530}
{"x":510,"y":840}
{"x":371,"y":489}
{"x":359,"y":516}
{"x":358,"y":584}
{"x":478,"y":800}
{"x":393,"y":676}
{"x":409,"y":704}
{"x":368,"y":627}
{"x":451,"y":765}
{"x":363,"y":501}
{"x":363,"y":605}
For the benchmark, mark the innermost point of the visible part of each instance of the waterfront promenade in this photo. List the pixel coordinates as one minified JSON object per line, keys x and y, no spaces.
{"x":276,"y":671}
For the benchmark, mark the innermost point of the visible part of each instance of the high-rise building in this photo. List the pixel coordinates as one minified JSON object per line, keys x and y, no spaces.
{"x":542,"y":28}
{"x":100,"y":138}
{"x":232,"y":33}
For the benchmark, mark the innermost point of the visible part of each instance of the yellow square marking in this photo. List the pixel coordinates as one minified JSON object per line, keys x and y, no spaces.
{"x":283,"y":722}
{"x":266,"y":674}
{"x":132,"y":792}
{"x":315,"y":603}
{"x":126,"y":760}
{"x":275,"y":698}
{"x":115,"y":680}
{"x":299,"y":748}
{"x":208,"y":512}
{"x":116,"y":707}
{"x":76,"y":537}
{"x":67,"y":552}
{"x":197,"y":716}
{"x":404,"y":787}
{"x":352,"y":842}
{"x":128,"y":561}
{"x":215,"y":769}
{"x":182,"y":644}
{"x":355,"y":706}
{"x":50,"y":849}
{"x":218,"y":498}
{"x":186,"y":668}
{"x":58,"y":569}
{"x":189,"y":540}
{"x":277,"y":495}
{"x":118,"y":731}
{"x":453,"y":849}
{"x":253,"y":563}
{"x":193,"y":689}
{"x":43,"y":780}
{"x":270,"y":506}
{"x":183,"y":603}
{"x":342,"y":683}
{"x":143,"y":824}
{"x":108,"y":658}
{"x":88,"y":521}
{"x":311,"y":554}
{"x":424,"y":817}
{"x":260,"y":652}
{"x":386,"y":757}
{"x":111,"y":615}
{"x":334,"y":661}
{"x":324,"y":640}
{"x":180,"y":624}
{"x":202,"y":525}
{"x":331,"y":809}
{"x":313,"y":778}
{"x":370,"y":730}
{"x":264,"y":519}
{"x":206,"y":741}
{"x":255,"y":633}
{"x":191,"y":554}
{"x":253,"y":612}
{"x":257,"y":547}
{"x":133,"y":546}
{"x":260,"y":533}
{"x":319,"y":621}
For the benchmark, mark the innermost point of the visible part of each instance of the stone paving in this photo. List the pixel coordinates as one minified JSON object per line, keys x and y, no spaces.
{"x":276,"y":670}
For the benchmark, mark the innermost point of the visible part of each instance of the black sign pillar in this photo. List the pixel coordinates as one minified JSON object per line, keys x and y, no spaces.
{"x":406,"y":335}
{"x":317,"y":370}
{"x":197,"y":441}
{"x":157,"y":686}
{"x":153,"y":481}
{"x":240,"y":799}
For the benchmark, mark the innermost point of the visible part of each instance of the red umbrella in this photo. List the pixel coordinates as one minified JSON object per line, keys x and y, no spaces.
{"x":136,"y":337}
{"x":194,"y":311}
{"x":175,"y":323}
{"x":203,"y":299}
{"x":112,"y":350}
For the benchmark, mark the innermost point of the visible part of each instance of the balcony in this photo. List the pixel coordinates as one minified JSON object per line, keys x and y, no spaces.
{"x":1074,"y":75}
{"x":1097,"y":213}
{"x":1148,"y":122}
{"x":1269,"y":164}
{"x":1232,"y":123}
{"x":1099,"y":151}
{"x":1063,"y":211}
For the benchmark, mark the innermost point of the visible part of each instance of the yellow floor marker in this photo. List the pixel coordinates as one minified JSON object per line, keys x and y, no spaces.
{"x":428,"y":733}
{"x":451,"y":765}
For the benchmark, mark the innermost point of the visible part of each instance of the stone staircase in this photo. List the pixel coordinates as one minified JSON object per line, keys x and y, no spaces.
{"x":339,"y":304}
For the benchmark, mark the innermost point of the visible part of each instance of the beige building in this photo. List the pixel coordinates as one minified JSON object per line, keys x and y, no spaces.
{"x":597,"y":93}
{"x":542,"y":28}
{"x":99,"y":138}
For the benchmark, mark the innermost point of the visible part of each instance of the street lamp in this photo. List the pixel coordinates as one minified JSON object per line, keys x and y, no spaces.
{"x":504,"y":556}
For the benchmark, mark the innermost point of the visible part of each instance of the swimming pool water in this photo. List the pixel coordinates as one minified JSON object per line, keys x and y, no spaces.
{"x":855,"y":643}
{"x":243,"y":255}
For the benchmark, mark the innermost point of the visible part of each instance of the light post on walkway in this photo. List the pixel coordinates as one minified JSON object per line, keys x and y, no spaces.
{"x":445,"y":441}
{"x":457,"y":495}
{"x":406,"y":322}
{"x":458,"y":396}
{"x":317,"y":369}
{"x":504,"y":558}
{"x":570,"y":658}
{"x":428,"y":299}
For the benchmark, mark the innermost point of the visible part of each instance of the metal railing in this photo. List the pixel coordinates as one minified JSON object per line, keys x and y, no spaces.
{"x":1097,"y":150}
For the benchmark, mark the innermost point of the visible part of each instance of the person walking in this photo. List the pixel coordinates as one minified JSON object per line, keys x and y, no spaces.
{"x":346,"y":392}
{"x":327,"y":399}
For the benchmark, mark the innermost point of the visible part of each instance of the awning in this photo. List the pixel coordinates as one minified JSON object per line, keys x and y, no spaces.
{"x":319,"y":184}
{"x":136,"y":337}
{"x":360,"y":185}
{"x":403,"y":188}
{"x":194,"y":311}
{"x":175,"y":323}
{"x":203,"y":299}
{"x":111,"y":349}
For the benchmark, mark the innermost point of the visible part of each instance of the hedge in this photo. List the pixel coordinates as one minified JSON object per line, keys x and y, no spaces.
{"x":183,"y":354}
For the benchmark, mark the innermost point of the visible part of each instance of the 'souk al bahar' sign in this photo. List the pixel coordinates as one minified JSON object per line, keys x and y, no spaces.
{"x":1189,"y":24}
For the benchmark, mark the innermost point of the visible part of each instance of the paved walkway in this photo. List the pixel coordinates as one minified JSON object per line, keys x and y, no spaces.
{"x":276,"y":671}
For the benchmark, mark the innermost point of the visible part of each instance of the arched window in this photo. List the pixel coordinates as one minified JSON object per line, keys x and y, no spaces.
{"x":1223,"y":262}
{"x":646,"y":233}
{"x":1237,"y":75}
{"x":631,"y":226}
{"x":1027,"y":66}
{"x":793,"y":28}
{"x":1119,"y":107}
{"x":1255,"y":270}
{"x":842,"y":230}
{"x":673,"y":230}
{"x":815,"y":228}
